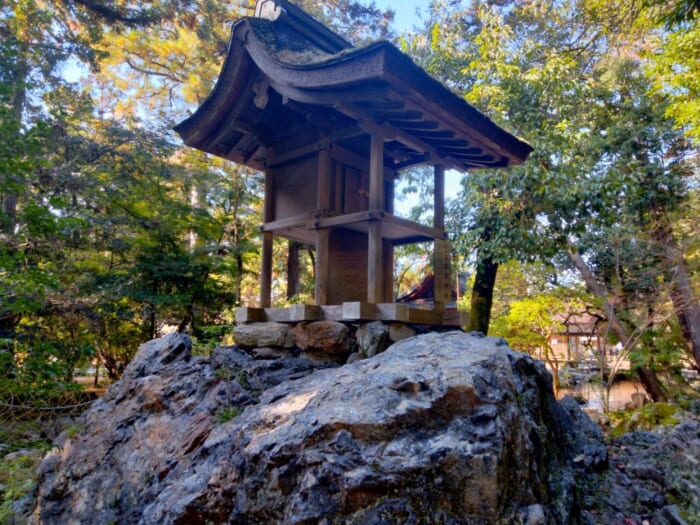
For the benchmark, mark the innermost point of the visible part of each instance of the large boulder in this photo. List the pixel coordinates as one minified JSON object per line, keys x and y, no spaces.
{"x":372,"y":338}
{"x":324,"y":338}
{"x":440,"y":428}
{"x":261,"y":335}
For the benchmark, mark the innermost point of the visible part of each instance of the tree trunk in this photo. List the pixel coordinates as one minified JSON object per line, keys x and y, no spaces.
{"x":647,"y":376}
{"x":18,"y":98}
{"x":482,"y":295}
{"x":687,"y":310}
{"x":685,"y":305}
{"x":651,"y":384}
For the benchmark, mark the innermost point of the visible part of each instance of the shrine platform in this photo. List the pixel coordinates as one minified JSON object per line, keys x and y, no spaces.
{"x":355,"y":311}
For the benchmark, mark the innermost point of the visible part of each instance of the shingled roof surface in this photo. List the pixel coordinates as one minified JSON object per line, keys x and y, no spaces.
{"x":376,"y":86}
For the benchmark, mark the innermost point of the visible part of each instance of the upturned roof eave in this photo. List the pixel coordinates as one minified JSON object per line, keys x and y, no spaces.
{"x":190,"y":129}
{"x":379,"y":62}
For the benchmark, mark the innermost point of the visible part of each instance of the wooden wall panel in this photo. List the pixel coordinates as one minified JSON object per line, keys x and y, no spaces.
{"x":347,"y":267}
{"x":295,"y":187}
{"x":356,"y":190}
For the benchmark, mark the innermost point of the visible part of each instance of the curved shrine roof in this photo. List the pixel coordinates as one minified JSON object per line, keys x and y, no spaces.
{"x":288,"y":81}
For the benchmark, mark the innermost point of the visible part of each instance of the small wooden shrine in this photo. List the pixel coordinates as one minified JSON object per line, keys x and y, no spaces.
{"x":331,"y":125}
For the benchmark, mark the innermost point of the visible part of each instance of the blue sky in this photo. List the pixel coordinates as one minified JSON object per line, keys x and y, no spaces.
{"x":405,"y":17}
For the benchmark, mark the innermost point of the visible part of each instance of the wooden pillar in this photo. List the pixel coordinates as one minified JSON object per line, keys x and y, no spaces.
{"x":321,"y":271}
{"x":376,"y":173}
{"x":439,"y":198}
{"x":339,"y":188}
{"x":323,"y":193}
{"x":375,"y":268}
{"x":292,"y":269}
{"x":441,"y":253}
{"x":388,"y":256}
{"x":442,"y":267}
{"x":266,"y":271}
{"x":266,"y":263}
{"x":323,"y":202}
{"x":388,"y":245}
{"x":389,"y":194}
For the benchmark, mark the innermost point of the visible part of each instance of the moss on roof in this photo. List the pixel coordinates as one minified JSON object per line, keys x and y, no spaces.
{"x":287,"y":45}
{"x":292,"y":48}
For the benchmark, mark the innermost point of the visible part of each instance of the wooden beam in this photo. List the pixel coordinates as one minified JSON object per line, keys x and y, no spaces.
{"x":414,"y":125}
{"x":245,"y":314}
{"x":421,"y":316}
{"x":332,"y":312}
{"x":417,"y":159}
{"x":360,"y":162}
{"x":357,"y":310}
{"x":433,"y":133}
{"x":290,"y":222}
{"x":367,"y":121}
{"x":420,"y":229}
{"x":331,"y":94}
{"x":305,"y":312}
{"x":348,"y":218}
{"x":460,"y":128}
{"x":392,"y":312}
{"x":456,"y":318}
{"x":293,"y":154}
{"x":345,"y":133}
{"x":315,"y":145}
{"x":277,"y":315}
{"x":394,"y":228}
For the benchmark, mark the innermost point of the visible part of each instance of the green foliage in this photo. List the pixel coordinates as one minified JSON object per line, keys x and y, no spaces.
{"x":649,"y":417}
{"x":108,"y":234}
{"x":227,"y":414}
{"x":611,"y":175}
{"x":17,"y":479}
{"x":224,"y":373}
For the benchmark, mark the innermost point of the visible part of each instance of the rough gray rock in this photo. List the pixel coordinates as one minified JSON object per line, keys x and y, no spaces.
{"x":268,"y":352}
{"x":442,"y":428}
{"x":372,"y":338}
{"x":653,"y":477}
{"x":585,"y":436}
